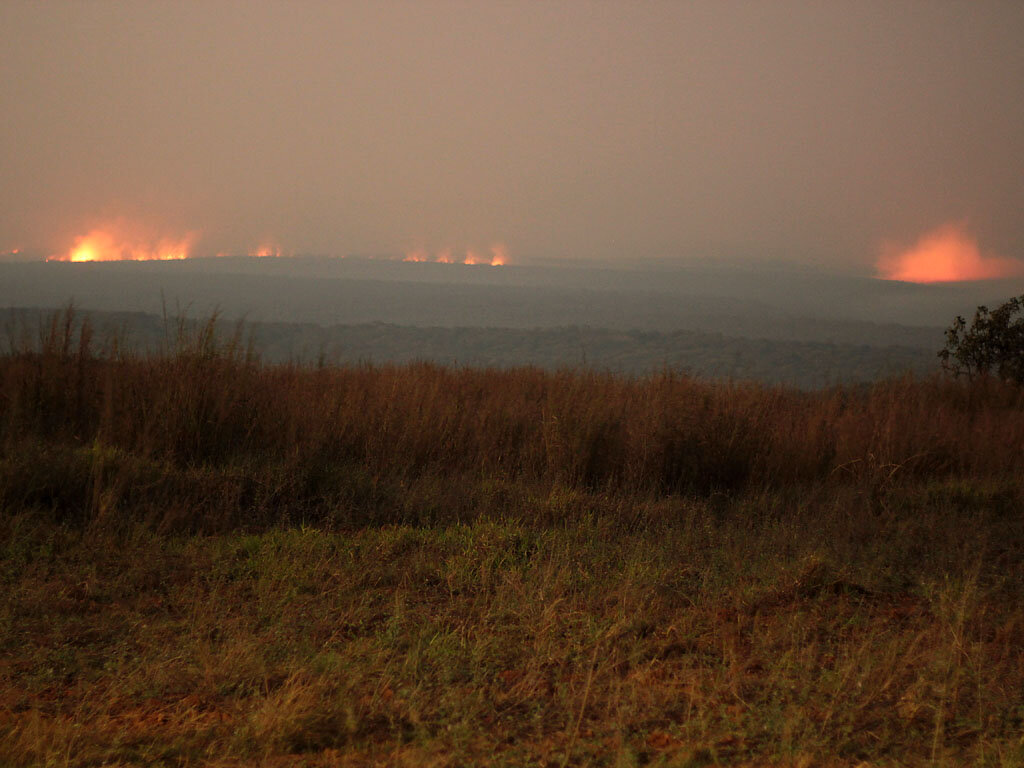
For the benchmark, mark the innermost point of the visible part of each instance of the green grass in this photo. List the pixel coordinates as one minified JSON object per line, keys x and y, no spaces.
{"x":206,"y":561}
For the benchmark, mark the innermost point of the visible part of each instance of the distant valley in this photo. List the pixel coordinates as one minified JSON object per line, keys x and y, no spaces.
{"x":772,"y":324}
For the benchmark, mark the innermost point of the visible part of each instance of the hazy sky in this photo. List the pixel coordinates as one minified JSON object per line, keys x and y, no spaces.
{"x":812,"y":131}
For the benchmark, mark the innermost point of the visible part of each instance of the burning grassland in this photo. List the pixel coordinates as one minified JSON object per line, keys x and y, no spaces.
{"x":495,"y":256}
{"x":948,"y":254}
{"x":118,"y":244}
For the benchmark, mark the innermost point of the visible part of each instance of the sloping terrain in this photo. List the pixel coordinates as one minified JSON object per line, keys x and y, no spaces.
{"x":209,"y":560}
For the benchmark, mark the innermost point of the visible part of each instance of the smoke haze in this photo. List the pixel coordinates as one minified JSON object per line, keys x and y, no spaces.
{"x":808,"y":132}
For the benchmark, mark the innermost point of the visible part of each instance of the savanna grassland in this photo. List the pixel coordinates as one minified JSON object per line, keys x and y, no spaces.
{"x":205,"y":560}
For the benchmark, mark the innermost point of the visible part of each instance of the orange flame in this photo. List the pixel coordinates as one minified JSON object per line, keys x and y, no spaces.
{"x":419,"y":255}
{"x":267,"y":251}
{"x":944,"y":255}
{"x":498,"y":257}
{"x":106,"y":245}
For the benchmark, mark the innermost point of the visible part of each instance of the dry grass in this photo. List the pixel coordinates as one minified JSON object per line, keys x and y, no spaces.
{"x":204,"y":437}
{"x":751,"y":636}
{"x":208,"y":561}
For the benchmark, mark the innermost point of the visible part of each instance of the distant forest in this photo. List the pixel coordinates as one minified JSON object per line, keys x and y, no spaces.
{"x":803,"y":364}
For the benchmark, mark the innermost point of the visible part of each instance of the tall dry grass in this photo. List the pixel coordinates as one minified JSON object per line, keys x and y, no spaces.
{"x":208,"y":435}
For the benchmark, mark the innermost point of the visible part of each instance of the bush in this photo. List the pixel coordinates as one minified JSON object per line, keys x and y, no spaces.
{"x":994,"y":342}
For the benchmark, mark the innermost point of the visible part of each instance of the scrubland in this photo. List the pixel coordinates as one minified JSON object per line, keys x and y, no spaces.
{"x":209,"y":560}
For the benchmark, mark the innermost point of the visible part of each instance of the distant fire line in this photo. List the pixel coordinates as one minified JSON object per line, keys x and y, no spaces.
{"x":121,"y":241}
{"x":498,"y":256}
{"x":106,"y":245}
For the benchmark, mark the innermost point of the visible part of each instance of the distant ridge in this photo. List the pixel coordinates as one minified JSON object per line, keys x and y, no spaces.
{"x":804,"y":364}
{"x":780,"y":305}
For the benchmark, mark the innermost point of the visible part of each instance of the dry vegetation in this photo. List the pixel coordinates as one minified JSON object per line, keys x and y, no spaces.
{"x":206,"y":560}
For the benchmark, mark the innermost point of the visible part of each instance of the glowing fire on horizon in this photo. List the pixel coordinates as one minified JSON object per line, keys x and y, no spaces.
{"x":110,"y":245}
{"x":944,"y":255}
{"x":122,"y":240}
{"x":497,"y":256}
{"x":268,"y":251}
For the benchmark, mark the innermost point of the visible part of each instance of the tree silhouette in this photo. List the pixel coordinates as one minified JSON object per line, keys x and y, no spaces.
{"x":994,"y":342}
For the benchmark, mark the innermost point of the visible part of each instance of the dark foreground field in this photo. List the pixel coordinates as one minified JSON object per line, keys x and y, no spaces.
{"x":209,"y":561}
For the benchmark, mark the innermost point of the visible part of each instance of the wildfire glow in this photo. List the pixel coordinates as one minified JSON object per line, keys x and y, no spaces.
{"x":498,"y":257}
{"x":123,"y":240}
{"x":109,"y":245}
{"x":268,"y":251}
{"x":944,"y":255}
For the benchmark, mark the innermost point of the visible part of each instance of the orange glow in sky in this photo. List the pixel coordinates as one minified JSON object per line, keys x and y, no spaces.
{"x":944,"y":255}
{"x":106,"y":244}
